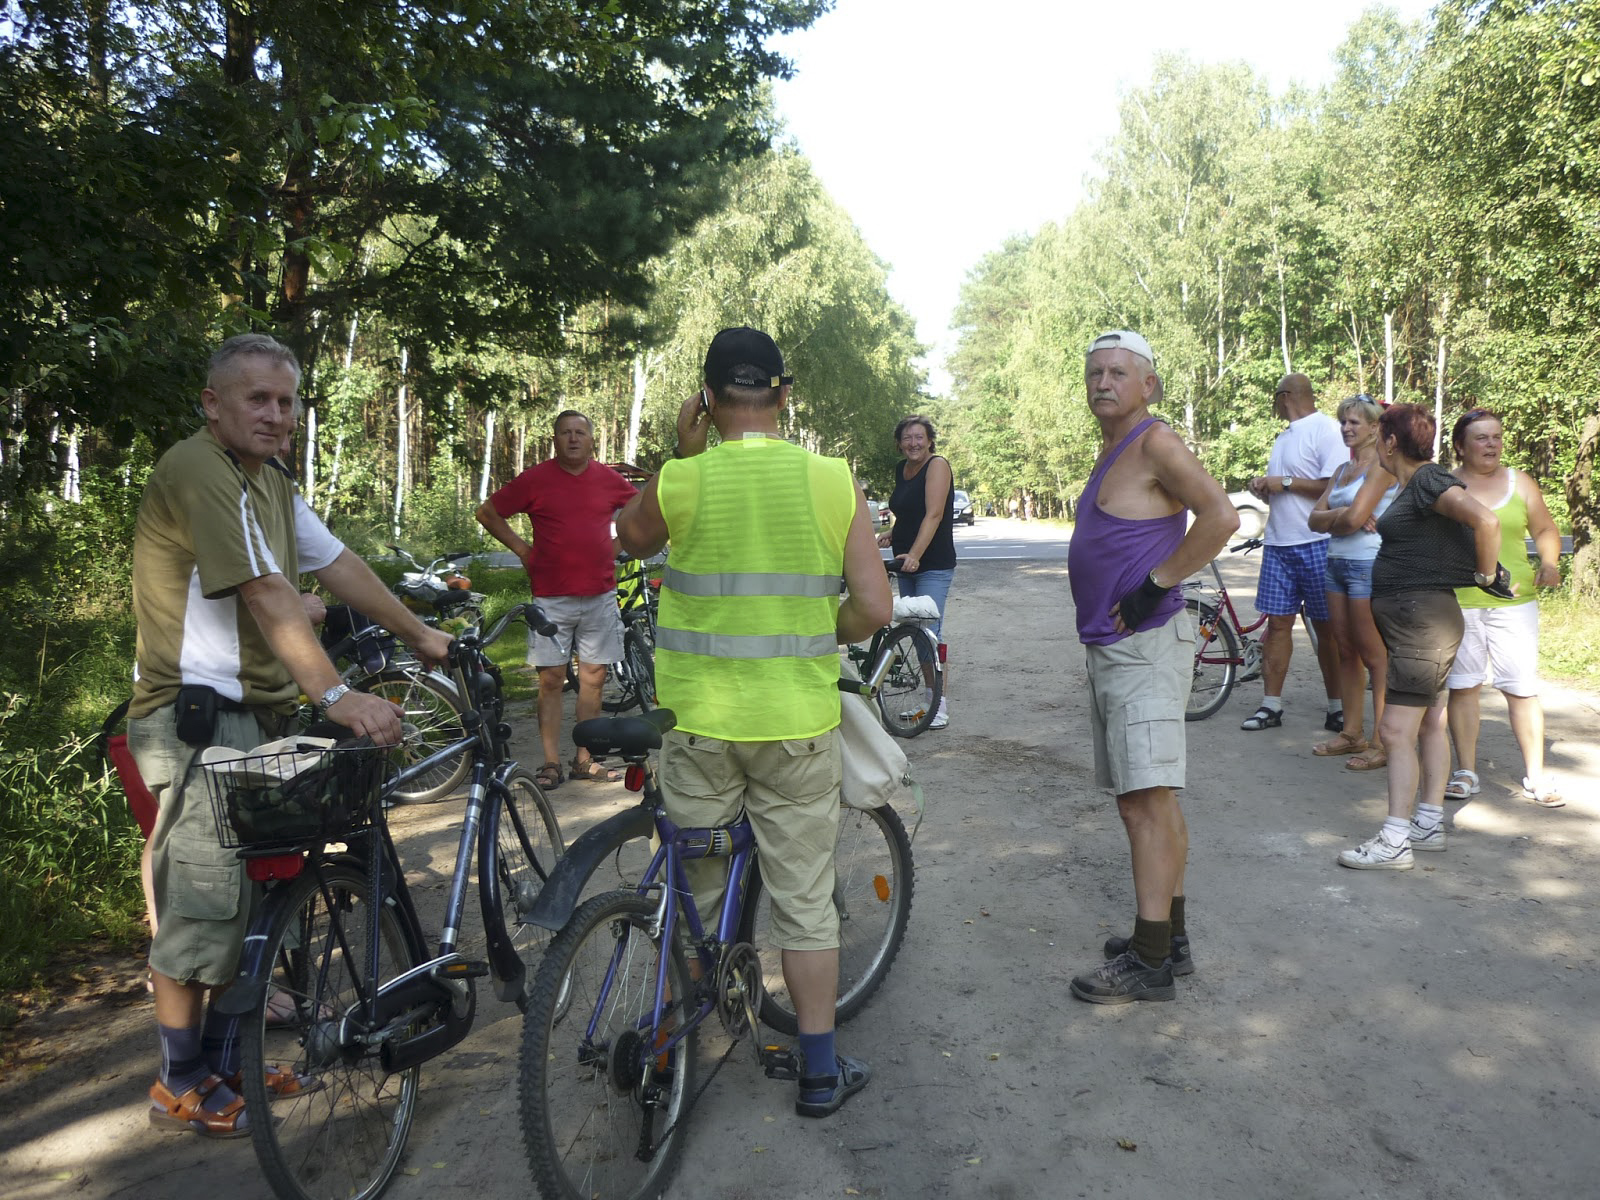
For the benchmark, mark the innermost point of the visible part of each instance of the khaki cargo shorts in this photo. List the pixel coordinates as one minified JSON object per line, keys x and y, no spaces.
{"x":1138,"y":691}
{"x":790,"y":789}
{"x":203,"y":899}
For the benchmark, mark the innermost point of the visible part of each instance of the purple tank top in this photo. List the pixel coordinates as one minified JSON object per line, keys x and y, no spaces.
{"x":1110,"y":556}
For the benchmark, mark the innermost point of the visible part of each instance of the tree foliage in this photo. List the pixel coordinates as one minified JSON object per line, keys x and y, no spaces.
{"x":1443,"y":186}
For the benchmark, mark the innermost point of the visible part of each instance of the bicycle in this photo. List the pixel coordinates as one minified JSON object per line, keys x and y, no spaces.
{"x":439,"y":592}
{"x":336,"y":978}
{"x":376,"y":662}
{"x":631,"y":680}
{"x":608,"y":1067}
{"x":1224,"y":651}
{"x":901,"y":664}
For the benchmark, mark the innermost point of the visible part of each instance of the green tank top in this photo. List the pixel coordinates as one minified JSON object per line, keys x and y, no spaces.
{"x":1513,"y":514}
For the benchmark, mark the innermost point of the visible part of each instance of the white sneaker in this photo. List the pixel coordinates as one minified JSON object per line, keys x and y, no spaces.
{"x":940,"y":718}
{"x":1378,"y":855}
{"x":1426,"y":839}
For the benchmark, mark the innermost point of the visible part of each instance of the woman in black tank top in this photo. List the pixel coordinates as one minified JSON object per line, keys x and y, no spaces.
{"x":923,"y":504}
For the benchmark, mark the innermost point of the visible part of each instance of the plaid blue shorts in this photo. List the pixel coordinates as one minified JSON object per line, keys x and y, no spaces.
{"x":1292,"y":576}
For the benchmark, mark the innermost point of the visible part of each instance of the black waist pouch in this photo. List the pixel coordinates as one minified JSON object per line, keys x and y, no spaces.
{"x":196,"y":711}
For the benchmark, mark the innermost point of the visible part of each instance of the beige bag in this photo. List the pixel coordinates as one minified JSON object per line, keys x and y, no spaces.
{"x":875,"y":769}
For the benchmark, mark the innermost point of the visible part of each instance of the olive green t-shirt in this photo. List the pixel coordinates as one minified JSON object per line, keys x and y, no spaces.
{"x":205,"y":526}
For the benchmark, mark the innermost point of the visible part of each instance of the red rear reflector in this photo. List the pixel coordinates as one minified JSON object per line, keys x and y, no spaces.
{"x":274,"y":866}
{"x":633,"y":778}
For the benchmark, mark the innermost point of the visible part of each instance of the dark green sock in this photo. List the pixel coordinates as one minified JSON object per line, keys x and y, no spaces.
{"x":1152,"y":941}
{"x":1177,"y":918}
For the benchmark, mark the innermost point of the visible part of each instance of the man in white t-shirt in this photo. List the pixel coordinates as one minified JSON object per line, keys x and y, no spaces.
{"x":1295,"y":559}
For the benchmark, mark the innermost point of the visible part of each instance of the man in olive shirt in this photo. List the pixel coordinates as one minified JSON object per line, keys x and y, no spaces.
{"x":216,"y":563}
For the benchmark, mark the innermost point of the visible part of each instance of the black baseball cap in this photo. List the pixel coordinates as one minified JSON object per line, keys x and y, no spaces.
{"x":745,"y":357}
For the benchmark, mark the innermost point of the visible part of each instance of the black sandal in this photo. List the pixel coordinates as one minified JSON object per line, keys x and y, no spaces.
{"x":1263,"y":718}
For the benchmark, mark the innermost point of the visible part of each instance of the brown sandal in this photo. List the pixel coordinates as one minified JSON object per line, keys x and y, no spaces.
{"x":1375,"y":759}
{"x":1342,"y":743}
{"x":188,"y":1111}
{"x":282,"y":1083}
{"x":592,"y":771}
{"x":549,"y":776}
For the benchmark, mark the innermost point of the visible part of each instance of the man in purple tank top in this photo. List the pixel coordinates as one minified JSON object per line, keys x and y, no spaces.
{"x":1128,"y":553}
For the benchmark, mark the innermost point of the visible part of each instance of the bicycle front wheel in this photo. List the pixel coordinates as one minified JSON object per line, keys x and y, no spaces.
{"x":903,"y":693}
{"x":342,"y":1134}
{"x":526,"y":842}
{"x":431,"y":722}
{"x":1216,"y":661}
{"x":872,"y":894}
{"x":596,"y":1093}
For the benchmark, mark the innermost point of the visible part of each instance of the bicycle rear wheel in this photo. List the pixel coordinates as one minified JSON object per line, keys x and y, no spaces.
{"x":632,"y":679}
{"x":594,"y":1092}
{"x":872,"y":890}
{"x":903,"y":693}
{"x":343,"y":1134}
{"x":431,"y":722}
{"x":525,"y":841}
{"x":1216,"y":661}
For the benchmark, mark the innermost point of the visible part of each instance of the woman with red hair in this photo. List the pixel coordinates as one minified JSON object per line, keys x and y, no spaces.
{"x":1436,"y":538}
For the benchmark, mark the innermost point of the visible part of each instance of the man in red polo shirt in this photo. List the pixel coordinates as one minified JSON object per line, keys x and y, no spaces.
{"x":569,"y":501}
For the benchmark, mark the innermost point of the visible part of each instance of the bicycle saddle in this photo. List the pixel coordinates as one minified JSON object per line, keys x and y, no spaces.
{"x":626,"y":737}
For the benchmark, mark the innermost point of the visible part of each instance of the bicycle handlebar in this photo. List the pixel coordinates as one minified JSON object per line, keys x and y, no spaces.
{"x":1246,"y":546}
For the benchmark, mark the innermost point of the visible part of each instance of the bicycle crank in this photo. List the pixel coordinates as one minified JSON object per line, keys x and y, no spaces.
{"x":739,"y":990}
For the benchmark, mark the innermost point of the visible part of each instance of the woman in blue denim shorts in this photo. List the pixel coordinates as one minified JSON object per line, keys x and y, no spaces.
{"x":923,"y":536}
{"x":1349,"y":512}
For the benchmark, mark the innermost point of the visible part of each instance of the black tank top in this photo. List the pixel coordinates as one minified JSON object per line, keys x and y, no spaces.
{"x":909,"y":504}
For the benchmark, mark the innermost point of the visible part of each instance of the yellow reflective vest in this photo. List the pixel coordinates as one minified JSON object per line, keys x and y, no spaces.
{"x":746,"y":648}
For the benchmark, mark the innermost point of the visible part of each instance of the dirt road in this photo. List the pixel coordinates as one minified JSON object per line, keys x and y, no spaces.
{"x":1431,"y":1034}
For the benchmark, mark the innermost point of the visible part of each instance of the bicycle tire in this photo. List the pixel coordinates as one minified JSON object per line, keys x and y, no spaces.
{"x":432,"y":721}
{"x":344,"y":1135}
{"x":873,"y":885}
{"x":1216,"y":661}
{"x":631,"y":681}
{"x":524,"y":843}
{"x":582,"y":1096}
{"x":903,"y":692}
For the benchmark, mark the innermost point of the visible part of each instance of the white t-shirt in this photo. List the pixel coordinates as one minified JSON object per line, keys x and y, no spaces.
{"x":314,"y":545}
{"x":1311,"y":448}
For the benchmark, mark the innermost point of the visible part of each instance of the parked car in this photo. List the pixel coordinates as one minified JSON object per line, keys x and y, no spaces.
{"x":878,"y":510}
{"x":1252,"y":514}
{"x":964,"y":510}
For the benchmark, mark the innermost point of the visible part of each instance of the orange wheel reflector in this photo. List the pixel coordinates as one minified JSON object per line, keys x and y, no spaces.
{"x":881,"y":886}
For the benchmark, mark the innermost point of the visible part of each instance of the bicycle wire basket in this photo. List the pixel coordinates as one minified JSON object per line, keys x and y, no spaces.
{"x":299,"y":790}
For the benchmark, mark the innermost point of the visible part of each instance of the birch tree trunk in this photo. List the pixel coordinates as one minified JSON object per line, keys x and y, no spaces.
{"x":308,"y":484}
{"x":636,"y":411}
{"x":1388,"y":357}
{"x":488,"y":456}
{"x":402,"y":445}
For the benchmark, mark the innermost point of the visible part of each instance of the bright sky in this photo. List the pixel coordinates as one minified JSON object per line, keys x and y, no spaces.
{"x":945,"y":126}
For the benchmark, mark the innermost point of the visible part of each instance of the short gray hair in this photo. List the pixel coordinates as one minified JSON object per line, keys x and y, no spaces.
{"x":247,"y":345}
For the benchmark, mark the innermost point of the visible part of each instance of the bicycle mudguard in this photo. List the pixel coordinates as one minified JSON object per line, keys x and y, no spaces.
{"x":559,"y":896}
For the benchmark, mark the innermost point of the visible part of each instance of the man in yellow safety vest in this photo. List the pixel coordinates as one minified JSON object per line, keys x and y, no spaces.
{"x":747,"y":658}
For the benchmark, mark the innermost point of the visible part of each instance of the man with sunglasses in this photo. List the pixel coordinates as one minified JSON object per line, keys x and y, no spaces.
{"x":1294,"y":562}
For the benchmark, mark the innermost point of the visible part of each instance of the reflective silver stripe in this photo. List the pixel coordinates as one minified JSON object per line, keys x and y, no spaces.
{"x":753,"y":645}
{"x":749,"y":583}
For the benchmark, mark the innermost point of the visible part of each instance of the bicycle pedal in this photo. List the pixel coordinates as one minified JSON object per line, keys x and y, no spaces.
{"x":463,"y":969}
{"x":780,"y":1062}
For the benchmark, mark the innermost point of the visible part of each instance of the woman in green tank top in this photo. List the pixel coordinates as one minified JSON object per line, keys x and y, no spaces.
{"x":1501,"y":644}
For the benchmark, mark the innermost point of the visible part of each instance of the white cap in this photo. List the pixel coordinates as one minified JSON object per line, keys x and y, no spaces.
{"x":1122,"y":339}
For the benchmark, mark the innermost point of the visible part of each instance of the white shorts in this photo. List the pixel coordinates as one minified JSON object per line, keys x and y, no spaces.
{"x":1500,"y":646}
{"x":592,"y":623}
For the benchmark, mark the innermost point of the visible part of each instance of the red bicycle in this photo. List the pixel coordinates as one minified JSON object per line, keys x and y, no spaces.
{"x":1224,"y":651}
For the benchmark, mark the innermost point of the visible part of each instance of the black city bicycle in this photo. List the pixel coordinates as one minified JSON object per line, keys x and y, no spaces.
{"x":901,"y":667}
{"x":336,"y":982}
{"x":608,"y":1063}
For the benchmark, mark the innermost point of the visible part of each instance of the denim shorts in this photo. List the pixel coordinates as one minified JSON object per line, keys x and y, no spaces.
{"x":1349,"y":577}
{"x":933,"y":584}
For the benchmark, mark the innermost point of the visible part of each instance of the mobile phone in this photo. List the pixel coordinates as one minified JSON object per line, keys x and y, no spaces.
{"x":705,"y":401}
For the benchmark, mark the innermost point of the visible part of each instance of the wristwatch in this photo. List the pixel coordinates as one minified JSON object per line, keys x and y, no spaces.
{"x":1287,"y":480}
{"x":1482,"y":580}
{"x":333,"y":695}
